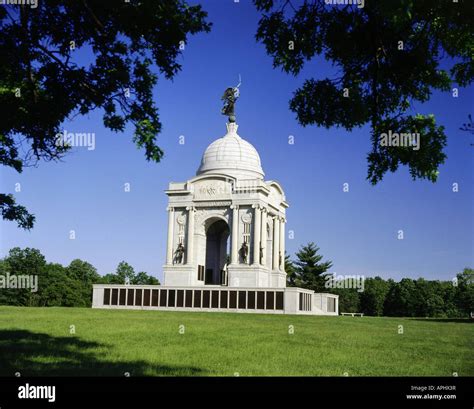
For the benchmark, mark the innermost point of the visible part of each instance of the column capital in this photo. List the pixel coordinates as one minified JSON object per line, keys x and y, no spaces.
{"x":170,"y":209}
{"x":234,"y":207}
{"x":191,"y":208}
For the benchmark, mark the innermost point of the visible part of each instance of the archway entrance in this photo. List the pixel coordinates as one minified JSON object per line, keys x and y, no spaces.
{"x":217,"y":235}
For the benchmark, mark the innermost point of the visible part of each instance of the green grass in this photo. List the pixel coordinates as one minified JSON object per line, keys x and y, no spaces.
{"x":37,"y":341}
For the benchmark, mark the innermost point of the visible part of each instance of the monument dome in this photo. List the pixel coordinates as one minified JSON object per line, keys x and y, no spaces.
{"x":233,"y":156}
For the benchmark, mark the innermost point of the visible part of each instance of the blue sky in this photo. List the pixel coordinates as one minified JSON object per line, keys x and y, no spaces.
{"x":357,"y":230}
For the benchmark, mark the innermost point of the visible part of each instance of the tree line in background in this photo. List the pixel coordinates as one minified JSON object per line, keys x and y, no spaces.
{"x":406,"y":298}
{"x":60,"y":286}
{"x":71,"y":286}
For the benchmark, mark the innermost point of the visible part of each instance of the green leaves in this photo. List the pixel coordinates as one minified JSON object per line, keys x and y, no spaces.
{"x":423,"y":162}
{"x":324,"y":104}
{"x":388,"y":56}
{"x":14,"y":212}
{"x":126,"y":273}
{"x":43,"y":81}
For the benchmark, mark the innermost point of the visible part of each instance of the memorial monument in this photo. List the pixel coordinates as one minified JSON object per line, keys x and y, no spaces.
{"x":225,"y":240}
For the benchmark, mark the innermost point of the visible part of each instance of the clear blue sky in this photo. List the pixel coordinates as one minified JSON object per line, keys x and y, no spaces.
{"x":356,"y":230}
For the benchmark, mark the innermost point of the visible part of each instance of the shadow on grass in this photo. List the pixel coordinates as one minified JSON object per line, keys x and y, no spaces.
{"x":37,"y":354}
{"x":445,"y":320}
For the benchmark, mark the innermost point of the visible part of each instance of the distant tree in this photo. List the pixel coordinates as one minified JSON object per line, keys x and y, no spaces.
{"x":25,"y":261}
{"x":309,"y":270}
{"x":449,"y":292}
{"x":28,"y":262}
{"x":43,"y":82}
{"x":57,"y":289}
{"x":429,"y":296}
{"x":465,"y":291}
{"x":86,"y":275}
{"x":82,"y":271}
{"x":7,"y":296}
{"x":143,"y":278}
{"x":392,"y":54}
{"x":401,"y":299}
{"x":109,"y":278}
{"x":290,"y":271}
{"x":126,"y":273}
{"x":372,"y":299}
{"x":349,"y":299}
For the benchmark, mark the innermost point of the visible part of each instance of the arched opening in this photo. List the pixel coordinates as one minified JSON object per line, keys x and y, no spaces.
{"x":217,"y":252}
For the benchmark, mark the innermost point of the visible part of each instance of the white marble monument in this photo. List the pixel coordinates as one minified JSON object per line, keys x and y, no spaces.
{"x":228,"y":219}
{"x":226,"y":241}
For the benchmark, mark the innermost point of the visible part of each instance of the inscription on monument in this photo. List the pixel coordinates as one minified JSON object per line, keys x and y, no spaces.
{"x":214,"y":203}
{"x":216,"y":189}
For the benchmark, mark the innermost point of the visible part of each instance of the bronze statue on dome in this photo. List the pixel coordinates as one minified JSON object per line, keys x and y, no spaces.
{"x":230,"y":96}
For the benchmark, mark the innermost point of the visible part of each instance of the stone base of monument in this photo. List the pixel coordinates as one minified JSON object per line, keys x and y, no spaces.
{"x":215,"y":298}
{"x":255,"y":276}
{"x":178,"y":275}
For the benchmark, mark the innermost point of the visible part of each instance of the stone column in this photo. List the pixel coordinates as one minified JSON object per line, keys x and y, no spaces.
{"x":235,"y":234}
{"x":276,"y":242}
{"x":169,"y":246}
{"x":190,"y":245}
{"x":263,"y":235}
{"x":256,"y":234}
{"x":282,"y":243}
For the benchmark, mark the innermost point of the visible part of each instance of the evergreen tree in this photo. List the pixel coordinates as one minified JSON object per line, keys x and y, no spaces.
{"x":290,"y":271}
{"x":309,"y":270}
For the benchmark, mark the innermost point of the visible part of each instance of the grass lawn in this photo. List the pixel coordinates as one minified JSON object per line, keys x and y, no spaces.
{"x":37,"y":341}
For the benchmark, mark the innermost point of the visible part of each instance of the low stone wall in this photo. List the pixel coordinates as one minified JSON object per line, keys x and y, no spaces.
{"x":214,"y":298}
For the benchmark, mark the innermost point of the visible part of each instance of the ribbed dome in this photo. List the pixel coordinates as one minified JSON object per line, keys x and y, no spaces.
{"x":233,"y":156}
